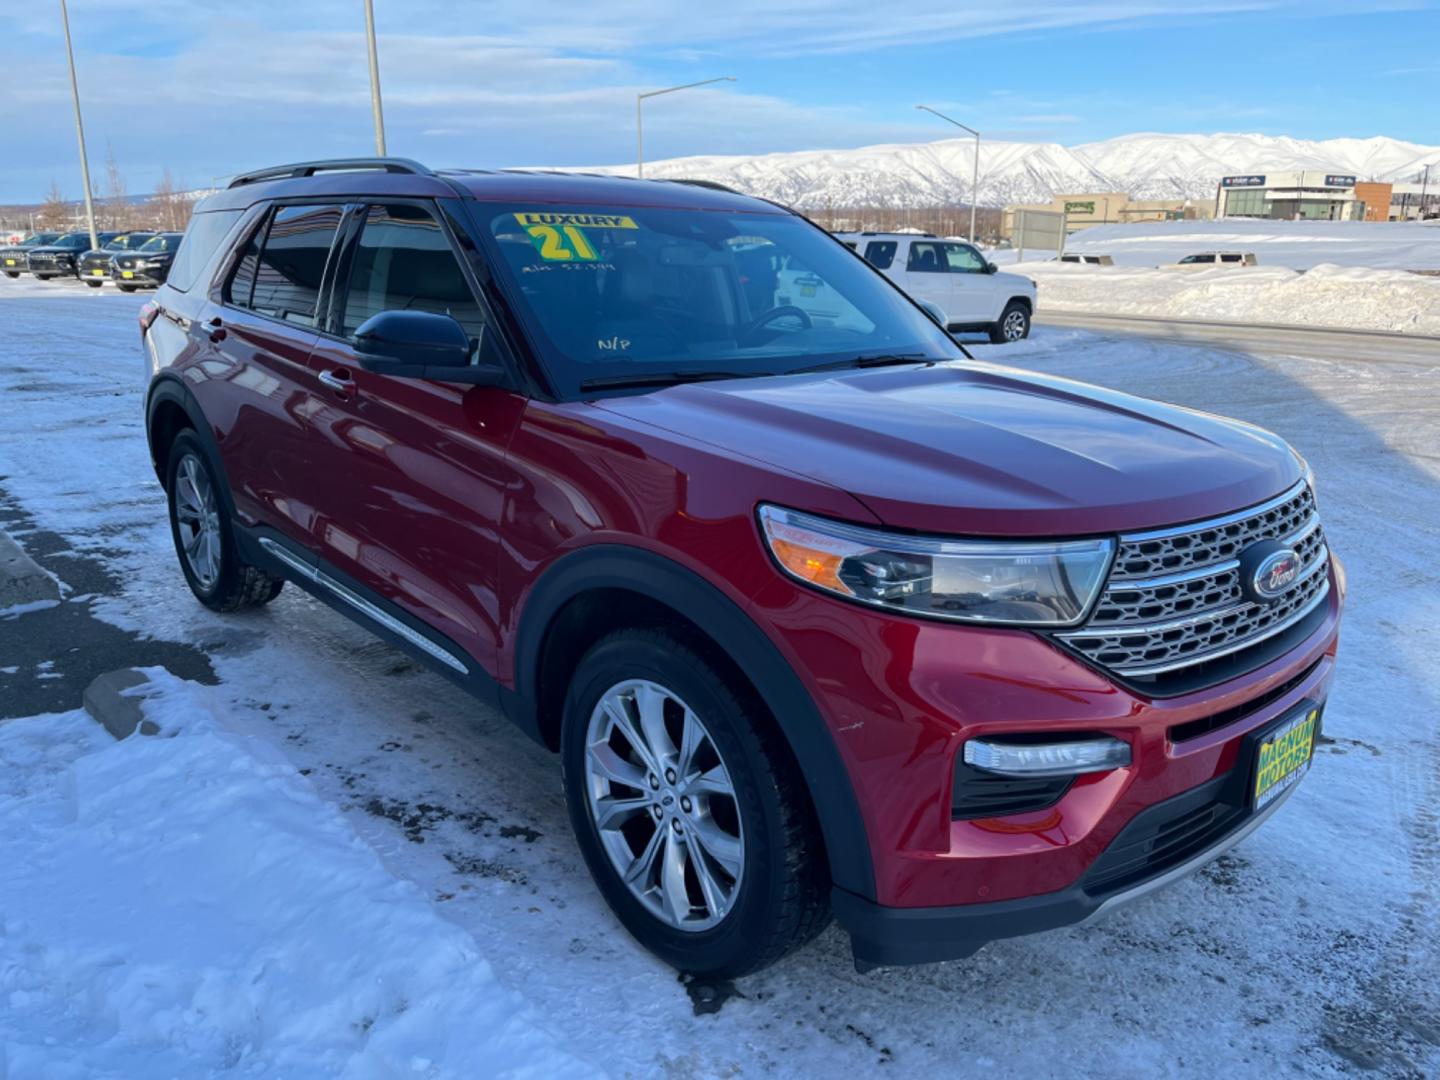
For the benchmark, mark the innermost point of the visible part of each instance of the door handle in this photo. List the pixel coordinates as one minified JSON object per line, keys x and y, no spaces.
{"x":337,"y":380}
{"x":216,"y":328}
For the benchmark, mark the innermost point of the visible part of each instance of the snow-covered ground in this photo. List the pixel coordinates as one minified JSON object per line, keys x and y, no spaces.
{"x":1332,"y":296}
{"x":327,"y":790}
{"x":1298,"y":245}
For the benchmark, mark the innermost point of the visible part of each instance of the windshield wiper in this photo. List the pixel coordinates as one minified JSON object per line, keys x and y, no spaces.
{"x":658,"y":378}
{"x":879,"y":360}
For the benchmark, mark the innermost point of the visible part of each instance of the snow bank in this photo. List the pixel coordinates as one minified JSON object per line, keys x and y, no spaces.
{"x":187,"y":905}
{"x":1325,"y":296}
{"x":1298,"y":245}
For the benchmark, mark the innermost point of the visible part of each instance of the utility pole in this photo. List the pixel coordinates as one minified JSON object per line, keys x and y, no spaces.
{"x":374,"y":79}
{"x":640,"y":119}
{"x":975,"y":173}
{"x":1424,"y":190}
{"x":79,"y":128}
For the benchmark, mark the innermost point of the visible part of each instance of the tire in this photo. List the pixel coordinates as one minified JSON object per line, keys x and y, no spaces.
{"x":93,"y":284}
{"x":775,"y":899}
{"x":1014,"y":324}
{"x":126,"y":288}
{"x":12,"y":273}
{"x":43,"y":277}
{"x":204,"y":539}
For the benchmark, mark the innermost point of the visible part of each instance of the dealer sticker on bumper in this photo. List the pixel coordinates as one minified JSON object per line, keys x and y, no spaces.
{"x":1284,"y":756}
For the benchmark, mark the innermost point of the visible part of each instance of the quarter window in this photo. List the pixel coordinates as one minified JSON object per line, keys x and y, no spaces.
{"x":202,"y":237}
{"x":404,"y":262}
{"x":292,"y":261}
{"x":880,"y":253}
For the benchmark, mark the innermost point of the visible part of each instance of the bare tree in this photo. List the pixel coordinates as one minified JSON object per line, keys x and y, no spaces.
{"x":171,"y":203}
{"x":117,"y":207}
{"x":55,"y":214}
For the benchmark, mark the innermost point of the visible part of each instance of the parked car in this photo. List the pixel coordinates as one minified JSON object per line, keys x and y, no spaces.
{"x":95,"y":264}
{"x":1086,"y":260}
{"x":61,"y":257}
{"x":12,"y":258}
{"x":971,"y":292}
{"x":148,"y":265}
{"x":820,"y":617}
{"x":1208,"y":259}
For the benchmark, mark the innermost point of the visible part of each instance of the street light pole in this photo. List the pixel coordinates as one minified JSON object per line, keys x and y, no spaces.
{"x":374,"y":78}
{"x":79,"y":128}
{"x":639,"y":116}
{"x":975,"y":174}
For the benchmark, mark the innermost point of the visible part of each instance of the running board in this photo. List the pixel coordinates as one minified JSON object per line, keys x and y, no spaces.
{"x":359,"y":603}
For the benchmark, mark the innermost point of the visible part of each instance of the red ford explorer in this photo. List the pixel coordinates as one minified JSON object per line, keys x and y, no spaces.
{"x":821,"y":616}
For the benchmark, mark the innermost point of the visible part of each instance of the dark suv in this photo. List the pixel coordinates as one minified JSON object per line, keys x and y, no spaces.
{"x":821,"y":616}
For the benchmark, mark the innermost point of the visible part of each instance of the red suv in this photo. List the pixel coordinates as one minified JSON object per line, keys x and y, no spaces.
{"x":821,"y":616}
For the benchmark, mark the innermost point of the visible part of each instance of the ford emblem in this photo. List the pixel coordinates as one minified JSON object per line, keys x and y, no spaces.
{"x":1268,"y":570}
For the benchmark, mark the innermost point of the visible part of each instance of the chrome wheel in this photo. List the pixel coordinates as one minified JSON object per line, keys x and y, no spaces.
{"x":663,"y":804}
{"x":1014,"y":326}
{"x":197,"y":521}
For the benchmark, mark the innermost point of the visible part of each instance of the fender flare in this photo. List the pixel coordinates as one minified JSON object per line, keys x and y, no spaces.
{"x":167,"y":388}
{"x":729,"y":626}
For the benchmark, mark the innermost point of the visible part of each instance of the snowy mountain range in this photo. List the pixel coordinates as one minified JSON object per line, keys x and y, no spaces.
{"x":1145,"y":166}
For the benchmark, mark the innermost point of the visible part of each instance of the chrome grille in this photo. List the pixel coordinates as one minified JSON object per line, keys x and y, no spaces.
{"x":1174,"y":596}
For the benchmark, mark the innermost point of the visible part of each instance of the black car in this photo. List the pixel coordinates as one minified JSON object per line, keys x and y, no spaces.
{"x":147,"y":267}
{"x":12,"y":258}
{"x":61,"y":258}
{"x":95,"y":263}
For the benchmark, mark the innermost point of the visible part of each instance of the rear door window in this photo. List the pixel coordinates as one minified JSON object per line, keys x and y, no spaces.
{"x":1229,"y":258}
{"x":927,"y":258}
{"x":880,"y":253}
{"x":292,"y":260}
{"x":404,"y":262}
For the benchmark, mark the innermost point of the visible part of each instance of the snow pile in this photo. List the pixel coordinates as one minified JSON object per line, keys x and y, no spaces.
{"x":1299,"y":245}
{"x":187,"y":905}
{"x":1325,"y":296}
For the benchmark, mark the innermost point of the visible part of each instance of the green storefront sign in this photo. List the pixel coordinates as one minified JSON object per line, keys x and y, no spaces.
{"x":1079,"y":208}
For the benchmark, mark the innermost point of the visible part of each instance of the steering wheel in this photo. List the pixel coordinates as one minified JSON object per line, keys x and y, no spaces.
{"x":765,"y":318}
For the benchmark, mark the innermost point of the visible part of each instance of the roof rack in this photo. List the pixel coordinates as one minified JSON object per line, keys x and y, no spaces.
{"x":713,"y":185}
{"x":310,"y":168}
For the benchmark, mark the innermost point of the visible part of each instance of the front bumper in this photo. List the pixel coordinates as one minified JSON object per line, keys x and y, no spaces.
{"x":58,"y":267}
{"x":14,"y":262}
{"x":901,"y":696}
{"x":141,"y":278}
{"x":95,"y":269}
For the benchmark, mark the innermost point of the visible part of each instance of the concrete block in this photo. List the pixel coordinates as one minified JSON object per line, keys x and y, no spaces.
{"x":119,"y":714}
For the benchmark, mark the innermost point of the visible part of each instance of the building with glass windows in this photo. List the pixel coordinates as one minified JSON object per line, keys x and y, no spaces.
{"x":1289,"y":196}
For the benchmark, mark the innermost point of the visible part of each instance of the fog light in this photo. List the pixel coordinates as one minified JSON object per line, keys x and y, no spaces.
{"x":1068,"y":758}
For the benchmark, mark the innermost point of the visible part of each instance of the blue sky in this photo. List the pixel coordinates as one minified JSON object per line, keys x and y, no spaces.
{"x":207,"y":89}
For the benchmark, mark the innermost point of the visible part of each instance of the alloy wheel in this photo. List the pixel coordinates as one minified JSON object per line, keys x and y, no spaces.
{"x":197,"y":518}
{"x":664,"y":805}
{"x":1014,"y":327}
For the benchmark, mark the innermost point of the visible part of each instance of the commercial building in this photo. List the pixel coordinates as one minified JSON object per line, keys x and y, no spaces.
{"x":1108,"y":208}
{"x":1289,"y":196}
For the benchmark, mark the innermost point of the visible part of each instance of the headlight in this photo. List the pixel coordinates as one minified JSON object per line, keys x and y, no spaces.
{"x":1020,"y":583}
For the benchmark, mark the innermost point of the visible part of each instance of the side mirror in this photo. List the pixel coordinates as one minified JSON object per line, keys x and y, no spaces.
{"x":991,"y":268}
{"x":420,"y":345}
{"x":936,"y":315}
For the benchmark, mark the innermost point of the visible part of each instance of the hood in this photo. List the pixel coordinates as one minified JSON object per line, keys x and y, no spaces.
{"x":974,"y":449}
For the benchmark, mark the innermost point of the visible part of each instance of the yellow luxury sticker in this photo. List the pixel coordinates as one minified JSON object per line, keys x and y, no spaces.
{"x":558,"y":237}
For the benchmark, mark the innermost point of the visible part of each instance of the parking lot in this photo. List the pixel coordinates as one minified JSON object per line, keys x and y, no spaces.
{"x":1312,"y":948}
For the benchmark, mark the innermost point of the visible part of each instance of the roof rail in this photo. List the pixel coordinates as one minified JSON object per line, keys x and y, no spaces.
{"x":713,"y":185}
{"x":310,"y":168}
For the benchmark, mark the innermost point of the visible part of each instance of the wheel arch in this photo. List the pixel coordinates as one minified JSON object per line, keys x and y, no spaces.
{"x":171,"y":408}
{"x":603,"y":587}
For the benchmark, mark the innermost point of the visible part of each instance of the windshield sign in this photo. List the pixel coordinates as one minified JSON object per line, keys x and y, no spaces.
{"x":609,"y":294}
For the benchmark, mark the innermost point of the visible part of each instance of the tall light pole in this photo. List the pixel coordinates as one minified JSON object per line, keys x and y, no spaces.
{"x":79,"y":128}
{"x":640,"y":121}
{"x":374,"y":78}
{"x":975,"y":175}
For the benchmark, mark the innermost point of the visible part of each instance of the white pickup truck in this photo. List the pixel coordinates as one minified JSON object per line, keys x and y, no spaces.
{"x":955,"y":277}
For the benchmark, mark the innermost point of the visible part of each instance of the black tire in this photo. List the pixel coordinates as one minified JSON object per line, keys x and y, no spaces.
{"x":237,"y":584}
{"x":43,"y":277}
{"x":1013,"y":325}
{"x":126,"y":288}
{"x":12,"y":273}
{"x":781,"y":899}
{"x":93,"y":284}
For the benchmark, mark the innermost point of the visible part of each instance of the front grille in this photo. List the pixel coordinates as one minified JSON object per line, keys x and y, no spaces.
{"x":1174,"y":598}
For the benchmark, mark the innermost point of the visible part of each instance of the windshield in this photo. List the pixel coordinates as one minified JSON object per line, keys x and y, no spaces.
{"x":156,"y":243}
{"x":74,"y":240}
{"x":609,"y":293}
